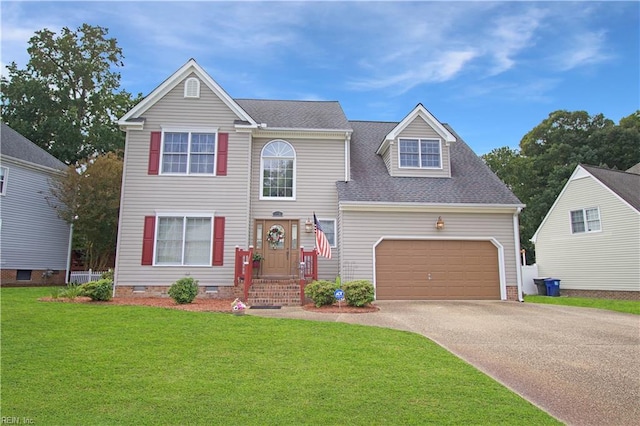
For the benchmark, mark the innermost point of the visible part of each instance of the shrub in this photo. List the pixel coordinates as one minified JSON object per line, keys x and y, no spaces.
{"x":107,"y":275}
{"x":184,"y":290}
{"x":72,"y":291}
{"x":100,"y":290}
{"x":358,"y":293}
{"x":321,"y":292}
{"x":56,"y":292}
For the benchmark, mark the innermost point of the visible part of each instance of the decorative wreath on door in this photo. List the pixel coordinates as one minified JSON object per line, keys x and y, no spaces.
{"x":275,"y":235}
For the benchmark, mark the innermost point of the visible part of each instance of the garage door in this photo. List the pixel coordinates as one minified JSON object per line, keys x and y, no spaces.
{"x":438,"y":270}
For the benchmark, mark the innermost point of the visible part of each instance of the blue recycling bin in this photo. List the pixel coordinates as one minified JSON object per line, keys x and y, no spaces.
{"x":553,"y":286}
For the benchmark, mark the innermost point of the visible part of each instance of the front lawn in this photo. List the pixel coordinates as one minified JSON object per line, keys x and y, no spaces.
{"x":626,"y":306}
{"x":65,"y":363}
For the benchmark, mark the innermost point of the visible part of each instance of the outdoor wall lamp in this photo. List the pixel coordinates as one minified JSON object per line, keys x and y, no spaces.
{"x":308,"y":226}
{"x":440,"y":224}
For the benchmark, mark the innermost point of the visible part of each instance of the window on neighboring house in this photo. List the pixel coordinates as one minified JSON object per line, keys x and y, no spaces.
{"x":183,"y":240}
{"x":329,"y":228}
{"x":585,"y":220}
{"x":23,"y":275}
{"x":192,"y":88}
{"x":3,"y":180}
{"x":188,"y":153}
{"x":277,"y":168}
{"x":422,"y":153}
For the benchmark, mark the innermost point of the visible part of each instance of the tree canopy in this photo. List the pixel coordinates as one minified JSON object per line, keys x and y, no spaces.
{"x":548,"y":154}
{"x":68,"y":97}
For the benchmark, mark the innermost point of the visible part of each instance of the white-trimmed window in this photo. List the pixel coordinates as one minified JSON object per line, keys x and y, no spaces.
{"x":329,"y":228}
{"x":3,"y":180}
{"x":420,"y":153}
{"x":192,"y":88}
{"x":189,"y":152}
{"x":277,"y":171}
{"x":585,"y":220}
{"x":184,"y":240}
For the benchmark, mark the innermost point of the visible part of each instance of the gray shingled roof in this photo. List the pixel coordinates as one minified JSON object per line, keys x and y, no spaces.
{"x":471,"y":182}
{"x":625,"y":184}
{"x":296,"y":114}
{"x":13,"y":144}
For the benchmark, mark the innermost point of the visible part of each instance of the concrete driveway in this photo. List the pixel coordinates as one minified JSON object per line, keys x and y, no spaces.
{"x":580,"y":365}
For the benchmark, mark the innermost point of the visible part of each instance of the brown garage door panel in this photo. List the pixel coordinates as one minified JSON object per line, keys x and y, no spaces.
{"x":439,"y":269}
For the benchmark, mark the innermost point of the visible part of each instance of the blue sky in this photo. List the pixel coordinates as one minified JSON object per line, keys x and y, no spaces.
{"x":492,"y":70}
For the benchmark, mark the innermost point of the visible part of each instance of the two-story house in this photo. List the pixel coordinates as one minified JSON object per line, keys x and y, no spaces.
{"x":406,"y":205}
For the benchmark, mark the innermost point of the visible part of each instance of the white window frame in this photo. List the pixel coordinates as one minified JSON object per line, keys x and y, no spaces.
{"x":293,"y":189}
{"x":187,"y":86}
{"x":184,"y":216}
{"x":190,"y":131}
{"x":4,"y":178}
{"x":585,"y":223}
{"x":333,"y":244}
{"x":420,"y":140}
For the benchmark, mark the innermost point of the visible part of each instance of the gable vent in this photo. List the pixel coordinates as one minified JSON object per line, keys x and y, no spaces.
{"x":192,"y":88}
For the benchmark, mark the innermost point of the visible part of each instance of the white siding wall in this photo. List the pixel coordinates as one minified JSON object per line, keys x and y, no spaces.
{"x":417,"y":129}
{"x":32,"y":235}
{"x":361,"y":230}
{"x":145,"y":195}
{"x":606,"y":260}
{"x":319,"y":165}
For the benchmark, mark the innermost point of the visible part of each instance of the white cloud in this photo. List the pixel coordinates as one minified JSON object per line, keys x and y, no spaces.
{"x":510,"y":35}
{"x":586,"y":48}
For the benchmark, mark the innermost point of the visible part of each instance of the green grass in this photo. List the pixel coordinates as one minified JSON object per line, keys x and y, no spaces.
{"x":86,"y":364}
{"x":626,"y":306}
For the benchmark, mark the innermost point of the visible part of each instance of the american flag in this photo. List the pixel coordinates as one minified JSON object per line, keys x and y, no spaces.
{"x":322,"y":244}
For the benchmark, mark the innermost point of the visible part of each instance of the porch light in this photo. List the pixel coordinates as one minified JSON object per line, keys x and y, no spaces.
{"x":308,"y":226}
{"x":440,"y":224}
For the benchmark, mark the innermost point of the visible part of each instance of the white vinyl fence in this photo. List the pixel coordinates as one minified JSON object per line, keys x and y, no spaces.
{"x":81,"y":277}
{"x":529,"y":272}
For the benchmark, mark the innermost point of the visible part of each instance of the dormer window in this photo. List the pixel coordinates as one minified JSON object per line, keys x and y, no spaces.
{"x":420,"y":153}
{"x":192,"y":88}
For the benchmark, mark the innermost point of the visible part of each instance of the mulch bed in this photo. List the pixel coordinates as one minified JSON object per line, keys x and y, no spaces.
{"x":205,"y":305}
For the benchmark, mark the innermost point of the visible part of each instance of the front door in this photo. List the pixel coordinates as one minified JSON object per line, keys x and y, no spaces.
{"x":277,"y":241}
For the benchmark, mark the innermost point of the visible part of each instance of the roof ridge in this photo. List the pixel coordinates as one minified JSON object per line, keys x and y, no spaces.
{"x":607,"y":169}
{"x":284,"y":100}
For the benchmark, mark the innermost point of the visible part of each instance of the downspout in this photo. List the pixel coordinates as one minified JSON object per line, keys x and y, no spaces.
{"x":67,"y":277}
{"x":516,"y":237}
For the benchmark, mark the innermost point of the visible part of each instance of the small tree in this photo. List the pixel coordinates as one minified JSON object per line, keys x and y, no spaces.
{"x":87,"y":195}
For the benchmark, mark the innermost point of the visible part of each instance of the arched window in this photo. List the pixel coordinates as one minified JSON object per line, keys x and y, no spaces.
{"x":277,"y":170}
{"x":192,"y":88}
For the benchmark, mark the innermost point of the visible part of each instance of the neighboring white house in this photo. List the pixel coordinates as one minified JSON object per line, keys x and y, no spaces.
{"x":205,"y":173}
{"x":34,"y":242}
{"x":590,"y":238}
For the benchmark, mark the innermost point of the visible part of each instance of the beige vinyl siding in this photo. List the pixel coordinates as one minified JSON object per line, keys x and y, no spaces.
{"x":417,"y":129}
{"x":361,"y":230}
{"x":319,"y":165}
{"x":146,"y":195}
{"x":605,"y":260}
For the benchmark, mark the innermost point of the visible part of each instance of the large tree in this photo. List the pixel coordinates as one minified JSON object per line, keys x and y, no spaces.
{"x":88,"y":196}
{"x":68,"y":97}
{"x":549,"y":153}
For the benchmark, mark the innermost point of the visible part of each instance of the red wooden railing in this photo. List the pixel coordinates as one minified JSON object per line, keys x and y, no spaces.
{"x":308,"y":269}
{"x":244,"y":269}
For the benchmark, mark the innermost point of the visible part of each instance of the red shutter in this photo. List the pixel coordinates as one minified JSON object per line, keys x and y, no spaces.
{"x":223,"y":145}
{"x":218,"y":241}
{"x":148,"y":237}
{"x":154,"y":153}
